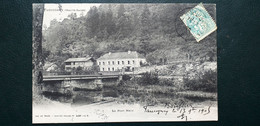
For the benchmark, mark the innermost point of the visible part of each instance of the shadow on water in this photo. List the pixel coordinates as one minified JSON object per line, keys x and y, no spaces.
{"x":56,"y":96}
{"x":83,"y":96}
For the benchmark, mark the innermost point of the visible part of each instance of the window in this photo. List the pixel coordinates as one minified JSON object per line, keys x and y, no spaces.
{"x":99,"y":63}
{"x":68,"y":63}
{"x":133,"y":62}
{"x":113,"y":69}
{"x":128,"y":62}
{"x":103,"y":63}
{"x":108,"y":69}
{"x":108,"y":62}
{"x":123,"y":62}
{"x":118,"y":62}
{"x":103,"y":69}
{"x":113,"y":62}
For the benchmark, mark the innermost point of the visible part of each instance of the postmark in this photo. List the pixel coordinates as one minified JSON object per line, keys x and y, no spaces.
{"x":199,"y":22}
{"x":180,"y":27}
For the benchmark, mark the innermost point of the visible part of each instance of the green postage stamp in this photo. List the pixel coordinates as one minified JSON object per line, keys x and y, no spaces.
{"x":199,"y":22}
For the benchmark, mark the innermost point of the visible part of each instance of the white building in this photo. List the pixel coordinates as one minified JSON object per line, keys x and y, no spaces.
{"x":118,"y":61}
{"x":78,"y":62}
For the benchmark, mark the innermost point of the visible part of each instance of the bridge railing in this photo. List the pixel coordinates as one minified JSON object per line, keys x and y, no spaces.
{"x":77,"y":77}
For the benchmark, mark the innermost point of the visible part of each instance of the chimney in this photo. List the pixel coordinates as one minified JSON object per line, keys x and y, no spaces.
{"x":129,"y":51}
{"x":109,"y":53}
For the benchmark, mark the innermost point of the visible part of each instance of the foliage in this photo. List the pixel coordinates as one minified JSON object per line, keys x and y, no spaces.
{"x":150,"y":100}
{"x":147,"y":29}
{"x":59,"y":58}
{"x":207,"y":82}
{"x":166,"y":82}
{"x":198,"y":95}
{"x":127,"y":99}
{"x":84,"y":71}
{"x":45,"y":54}
{"x":126,"y":77}
{"x":149,"y":78}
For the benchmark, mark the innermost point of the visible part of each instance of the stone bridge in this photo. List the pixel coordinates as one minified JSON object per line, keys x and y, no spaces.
{"x":67,"y":83}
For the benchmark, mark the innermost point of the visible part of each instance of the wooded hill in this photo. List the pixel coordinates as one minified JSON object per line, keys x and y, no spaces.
{"x":154,"y":30}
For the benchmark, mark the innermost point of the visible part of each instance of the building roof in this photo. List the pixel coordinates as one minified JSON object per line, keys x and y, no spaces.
{"x":121,"y":55}
{"x":78,"y":59}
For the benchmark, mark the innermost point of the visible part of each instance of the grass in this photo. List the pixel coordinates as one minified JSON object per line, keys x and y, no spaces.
{"x":152,"y":90}
{"x":207,"y":82}
{"x":198,"y":96}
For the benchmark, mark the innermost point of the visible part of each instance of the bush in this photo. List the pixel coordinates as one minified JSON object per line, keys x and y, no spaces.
{"x":126,"y":99}
{"x":85,"y":71}
{"x":166,"y":82}
{"x":149,"y":79}
{"x":150,"y":100}
{"x":120,"y":83}
{"x":126,"y":77}
{"x":207,"y":82}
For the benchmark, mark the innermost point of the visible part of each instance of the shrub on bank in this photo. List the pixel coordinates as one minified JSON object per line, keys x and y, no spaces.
{"x":126,"y":99}
{"x":126,"y":77}
{"x":148,"y":78}
{"x":166,"y":82}
{"x":207,"y":82}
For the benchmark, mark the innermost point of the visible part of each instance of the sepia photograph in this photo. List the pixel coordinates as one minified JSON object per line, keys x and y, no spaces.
{"x":124,"y":62}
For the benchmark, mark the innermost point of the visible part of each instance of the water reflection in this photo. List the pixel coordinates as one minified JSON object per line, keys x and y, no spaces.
{"x":83,"y":97}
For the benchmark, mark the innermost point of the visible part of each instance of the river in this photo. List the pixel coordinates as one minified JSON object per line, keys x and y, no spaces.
{"x":82,"y":97}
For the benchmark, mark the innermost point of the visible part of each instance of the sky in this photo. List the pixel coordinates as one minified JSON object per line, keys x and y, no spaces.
{"x":52,"y":11}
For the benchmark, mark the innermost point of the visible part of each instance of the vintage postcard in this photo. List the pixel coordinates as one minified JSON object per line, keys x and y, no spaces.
{"x":123,"y":63}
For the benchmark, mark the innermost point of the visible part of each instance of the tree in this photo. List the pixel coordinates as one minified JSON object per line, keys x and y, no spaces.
{"x":90,"y":49}
{"x":147,"y":29}
{"x":102,"y":32}
{"x":38,"y":11}
{"x":92,"y":22}
{"x":121,"y":11}
{"x":145,"y":20}
{"x":110,"y":22}
{"x":150,"y":78}
{"x":72,"y":16}
{"x":145,"y":45}
{"x":124,"y":25}
{"x":45,"y":54}
{"x":53,"y":22}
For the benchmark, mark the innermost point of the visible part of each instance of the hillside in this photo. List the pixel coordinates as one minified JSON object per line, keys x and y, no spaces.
{"x":153,"y":30}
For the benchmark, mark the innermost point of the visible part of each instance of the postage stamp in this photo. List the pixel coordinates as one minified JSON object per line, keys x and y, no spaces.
{"x":199,"y":22}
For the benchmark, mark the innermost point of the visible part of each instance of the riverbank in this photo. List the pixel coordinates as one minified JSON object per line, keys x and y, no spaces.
{"x":160,"y":94}
{"x":130,"y":94}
